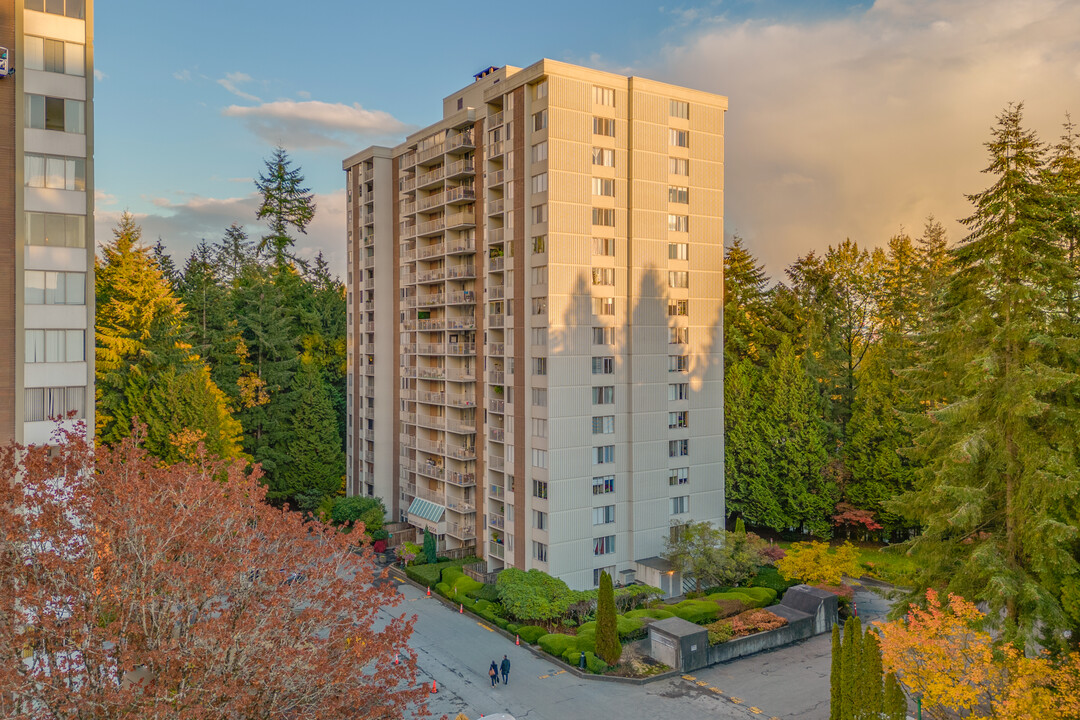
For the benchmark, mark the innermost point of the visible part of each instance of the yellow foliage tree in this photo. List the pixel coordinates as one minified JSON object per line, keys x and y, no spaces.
{"x":813,"y":564}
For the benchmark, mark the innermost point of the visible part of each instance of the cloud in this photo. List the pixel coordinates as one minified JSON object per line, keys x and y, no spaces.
{"x":232,"y":80}
{"x":99,"y":76}
{"x":182,"y":75}
{"x":316,"y":124}
{"x":854,"y":126}
{"x":182,"y":224}
{"x":103,"y":198}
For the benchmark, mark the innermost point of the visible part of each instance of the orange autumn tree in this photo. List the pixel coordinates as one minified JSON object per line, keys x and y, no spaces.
{"x":129,"y":590}
{"x":941,"y":654}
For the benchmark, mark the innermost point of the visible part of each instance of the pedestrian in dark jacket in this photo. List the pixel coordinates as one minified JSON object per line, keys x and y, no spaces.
{"x":505,"y":667}
{"x":493,"y":673}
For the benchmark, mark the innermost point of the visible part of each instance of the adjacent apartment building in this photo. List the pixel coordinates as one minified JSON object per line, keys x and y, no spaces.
{"x":535,"y":321}
{"x":46,"y":217}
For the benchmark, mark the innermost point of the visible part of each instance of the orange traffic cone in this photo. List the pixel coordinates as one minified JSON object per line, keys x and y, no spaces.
{"x":429,"y":591}
{"x":517,"y":640}
{"x":434,"y":687}
{"x":461,"y":609}
{"x":397,"y":658}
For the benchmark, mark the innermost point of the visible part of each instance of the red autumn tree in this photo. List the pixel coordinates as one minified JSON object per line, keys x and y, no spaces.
{"x":131,"y":590}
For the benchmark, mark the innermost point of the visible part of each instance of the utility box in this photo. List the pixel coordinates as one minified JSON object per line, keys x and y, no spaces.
{"x":679,"y":644}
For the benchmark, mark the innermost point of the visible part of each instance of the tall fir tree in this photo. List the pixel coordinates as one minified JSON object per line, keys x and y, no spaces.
{"x":748,"y":472}
{"x":316,"y":465}
{"x":894,"y":700}
{"x":1000,"y":464}
{"x":145,"y":367}
{"x":608,"y":646}
{"x":233,"y":254}
{"x":286,"y":204}
{"x":746,"y":306}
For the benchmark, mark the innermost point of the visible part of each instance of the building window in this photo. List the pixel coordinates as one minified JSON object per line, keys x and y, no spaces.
{"x":603,"y":485}
{"x":71,"y":8}
{"x":54,"y":56}
{"x":604,"y":545}
{"x":540,"y":183}
{"x":678,"y":194}
{"x":678,"y":391}
{"x":52,"y":230}
{"x":603,"y":515}
{"x":46,"y":403}
{"x":55,"y":346}
{"x":55,"y":288}
{"x":678,"y":279}
{"x":678,"y":166}
{"x":678,"y":138}
{"x":603,"y":276}
{"x":678,"y":476}
{"x":678,"y":336}
{"x":539,"y":427}
{"x":679,"y":109}
{"x":603,"y":187}
{"x":539,"y":397}
{"x":678,"y":223}
{"x":540,"y":489}
{"x":603,"y":425}
{"x":678,"y":448}
{"x":539,"y":213}
{"x":678,"y":419}
{"x":539,"y":520}
{"x":603,"y":156}
{"x":603,"y":306}
{"x":539,"y":458}
{"x":603,"y":336}
{"x":540,"y":90}
{"x":603,"y":96}
{"x":603,"y":216}
{"x":603,"y":365}
{"x":539,"y":120}
{"x":539,"y":306}
{"x":539,"y":336}
{"x":60,"y":114}
{"x":539,"y":244}
{"x":539,"y":151}
{"x":678,"y":251}
{"x":678,"y":308}
{"x":604,"y":395}
{"x":603,"y":126}
{"x":55,"y":172}
{"x":540,"y":366}
{"x":603,"y":246}
{"x":678,"y":363}
{"x":680,"y":505}
{"x":539,"y":275}
{"x":604,"y":455}
{"x":539,"y":551}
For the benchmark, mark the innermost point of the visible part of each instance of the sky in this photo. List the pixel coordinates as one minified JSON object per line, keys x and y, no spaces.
{"x":845,"y":120}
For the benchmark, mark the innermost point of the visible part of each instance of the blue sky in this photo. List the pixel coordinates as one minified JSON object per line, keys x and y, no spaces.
{"x":846,"y":119}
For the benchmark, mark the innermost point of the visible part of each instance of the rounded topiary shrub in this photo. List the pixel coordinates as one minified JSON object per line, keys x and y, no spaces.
{"x":511,"y":627}
{"x":762,"y":596}
{"x":696,"y":611}
{"x":451,"y":574}
{"x":595,"y":664}
{"x":627,"y":625}
{"x":557,"y":643}
{"x":654,"y":613}
{"x":443,"y":589}
{"x":501,"y":622}
{"x":531,"y":633}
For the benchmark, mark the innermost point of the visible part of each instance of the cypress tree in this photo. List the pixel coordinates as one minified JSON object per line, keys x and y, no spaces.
{"x":836,"y":675}
{"x":895,"y":702}
{"x":849,"y":670}
{"x":870,"y":694}
{"x":998,"y":448}
{"x":607,"y":636}
{"x":430,"y":552}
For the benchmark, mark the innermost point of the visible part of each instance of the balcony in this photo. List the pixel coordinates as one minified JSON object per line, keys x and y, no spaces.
{"x":495,"y":178}
{"x":466,"y":323}
{"x":431,"y":373}
{"x":496,"y":264}
{"x":407,"y":229}
{"x":433,"y":422}
{"x":430,"y":201}
{"x":430,"y":349}
{"x":407,"y":160}
{"x":496,"y":491}
{"x":461,"y":453}
{"x":407,"y":464}
{"x":405,"y":279}
{"x":431,"y":227}
{"x":496,"y":292}
{"x":462,"y":140}
{"x":408,"y":348}
{"x":460,"y":375}
{"x":497,"y":406}
{"x":430,"y":495}
{"x":461,"y":479}
{"x":496,"y":463}
{"x":430,"y":300}
{"x":459,"y":195}
{"x":429,"y":251}
{"x":408,"y":208}
{"x":408,"y":254}
{"x":407,"y":440}
{"x":460,"y":506}
{"x":460,"y":168}
{"x":495,"y":149}
{"x":410,"y":301}
{"x":461,"y":349}
{"x":496,"y":521}
{"x":461,"y":531}
{"x":430,"y":447}
{"x":407,"y":394}
{"x":430,"y":178}
{"x":460,"y":245}
{"x":496,"y":235}
{"x":496,"y":207}
{"x":497,"y":434}
{"x":496,"y":377}
{"x":407,"y":184}
{"x":495,"y":120}
{"x":495,"y":549}
{"x":461,"y":427}
{"x":430,"y":276}
{"x":460,"y":272}
{"x":459,"y":220}
{"x":431,"y":398}
{"x":408,"y":371}
{"x":461,"y":400}
{"x":431,"y":470}
{"x":407,"y":418}
{"x":461,"y":297}
{"x":496,"y":320}
{"x":429,"y":153}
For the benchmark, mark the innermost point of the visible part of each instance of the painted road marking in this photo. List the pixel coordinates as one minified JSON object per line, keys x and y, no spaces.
{"x":400,"y":580}
{"x":755,"y":710}
{"x":544,"y":677}
{"x":702,"y":683}
{"x":774,"y":718}
{"x":737,"y":701}
{"x":717,"y":690}
{"x":688,"y":677}
{"x":485,"y":627}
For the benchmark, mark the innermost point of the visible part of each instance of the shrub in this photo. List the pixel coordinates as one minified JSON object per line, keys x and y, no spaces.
{"x":720,"y":632}
{"x":738,"y":595}
{"x":487,"y":592}
{"x":607,"y":636}
{"x":770,"y":577}
{"x":732,"y":606}
{"x":483,"y":606}
{"x":533,"y":595}
{"x":443,"y":589}
{"x":696,"y":611}
{"x":762,"y":596}
{"x":556,"y":643}
{"x":465,"y":585}
{"x":628,"y":626}
{"x":772,"y":553}
{"x":654,"y":613}
{"x":450,"y":575}
{"x":595,"y":665}
{"x":431,"y":575}
{"x":814,"y":562}
{"x":511,"y":627}
{"x":531,"y":633}
{"x":755,"y":621}
{"x":501,"y":622}
{"x":345,"y":511}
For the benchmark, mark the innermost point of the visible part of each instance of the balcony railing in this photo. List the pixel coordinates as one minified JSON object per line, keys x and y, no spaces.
{"x":460,"y":167}
{"x":431,"y":373}
{"x":496,"y":320}
{"x":430,"y":447}
{"x":408,"y":208}
{"x":461,"y":427}
{"x":495,"y":178}
{"x":460,"y":219}
{"x":461,"y":400}
{"x":496,"y":521}
{"x":460,"y":375}
{"x":460,"y":245}
{"x":495,"y":549}
{"x":461,"y":479}
{"x":495,"y":149}
{"x":495,"y":120}
{"x":407,"y":440}
{"x":498,"y":406}
{"x":455,"y":272}
{"x":408,"y":254}
{"x":431,"y":470}
{"x":496,"y":377}
{"x":460,"y":506}
{"x":461,"y":297}
{"x":435,"y":422}
{"x":462,"y":140}
{"x":496,"y":264}
{"x":496,"y":207}
{"x":461,"y":349}
{"x":461,"y":453}
{"x":427,"y":276}
{"x":460,"y":194}
{"x":428,"y":251}
{"x":431,"y":177}
{"x":496,"y":463}
{"x":497,"y":434}
{"x":431,"y":324}
{"x":431,"y":227}
{"x":433,"y":151}
{"x":496,"y":235}
{"x":467,"y":323}
{"x":496,"y":491}
{"x":461,"y":531}
{"x":430,"y":349}
{"x":431,"y":398}
{"x":430,"y":300}
{"x":430,"y":201}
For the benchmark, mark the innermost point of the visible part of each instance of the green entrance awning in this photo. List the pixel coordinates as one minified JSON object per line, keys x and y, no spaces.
{"x":427,"y":510}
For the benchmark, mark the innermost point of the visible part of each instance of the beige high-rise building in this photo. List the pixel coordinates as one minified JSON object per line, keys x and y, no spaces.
{"x":46,"y":217}
{"x":535,"y":321}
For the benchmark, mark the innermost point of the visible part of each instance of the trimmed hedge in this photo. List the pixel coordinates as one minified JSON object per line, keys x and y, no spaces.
{"x":443,"y":589}
{"x":654,"y":613}
{"x":557,"y":643}
{"x":764,"y":596}
{"x":628,"y":626}
{"x":511,"y":627}
{"x":531,"y":633}
{"x":431,"y":575}
{"x":696,"y":611}
{"x":595,"y":665}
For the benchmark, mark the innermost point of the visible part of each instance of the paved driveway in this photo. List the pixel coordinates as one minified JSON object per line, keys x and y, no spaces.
{"x":455,"y":650}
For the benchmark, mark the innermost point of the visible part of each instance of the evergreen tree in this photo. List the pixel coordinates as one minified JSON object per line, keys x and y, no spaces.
{"x":145,"y":367}
{"x":796,"y":445}
{"x":608,"y":646}
{"x":233,"y":254}
{"x":836,"y":675}
{"x":316,"y":466}
{"x":286,"y":203}
{"x":430,"y":552}
{"x":871,"y":699}
{"x":1000,"y":461}
{"x":849,"y":674}
{"x":165,"y":264}
{"x":895,"y":702}
{"x":1062,"y":179}
{"x":746,"y":333}
{"x":748,"y":473}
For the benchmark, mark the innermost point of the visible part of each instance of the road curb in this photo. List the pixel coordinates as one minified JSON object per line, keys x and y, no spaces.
{"x":398,"y":574}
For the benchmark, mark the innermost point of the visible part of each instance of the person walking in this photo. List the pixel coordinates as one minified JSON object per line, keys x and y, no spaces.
{"x":505,"y":667}
{"x":493,"y":673}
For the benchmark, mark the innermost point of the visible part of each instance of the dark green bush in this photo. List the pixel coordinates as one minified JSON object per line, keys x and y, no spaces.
{"x":451,"y":574}
{"x":770,"y":577}
{"x":531,"y":633}
{"x":595,"y":665}
{"x":431,"y":575}
{"x":443,"y":589}
{"x":501,"y":622}
{"x":557,"y":643}
{"x":511,"y":627}
{"x":696,"y":611}
{"x":763,"y":596}
{"x":487,"y":592}
{"x":654,"y":613}
{"x":628,"y":626}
